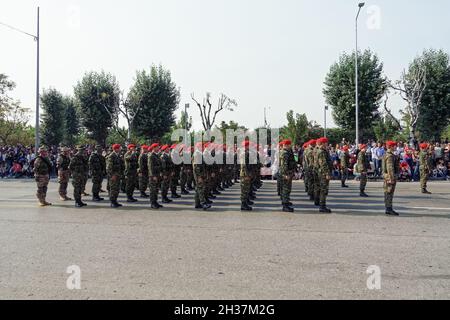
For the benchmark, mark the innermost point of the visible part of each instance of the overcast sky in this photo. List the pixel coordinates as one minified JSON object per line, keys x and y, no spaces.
{"x":263,"y":53}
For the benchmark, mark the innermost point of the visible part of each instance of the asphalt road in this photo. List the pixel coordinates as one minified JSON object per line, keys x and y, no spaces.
{"x":180,"y":253}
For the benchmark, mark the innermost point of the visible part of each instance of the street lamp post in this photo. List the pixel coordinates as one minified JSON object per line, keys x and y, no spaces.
{"x":186,"y":106}
{"x":325,"y":109}
{"x":36,"y":38}
{"x":356,"y":74}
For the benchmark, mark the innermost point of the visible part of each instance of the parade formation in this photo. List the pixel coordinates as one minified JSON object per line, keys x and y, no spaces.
{"x":208,"y":169}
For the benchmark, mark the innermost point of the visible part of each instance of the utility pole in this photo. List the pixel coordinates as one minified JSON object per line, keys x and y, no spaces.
{"x":325,"y":109}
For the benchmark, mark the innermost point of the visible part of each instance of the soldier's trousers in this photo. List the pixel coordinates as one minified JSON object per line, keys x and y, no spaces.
{"x":123,"y":184}
{"x":154,"y":184}
{"x":42,"y":185}
{"x":321,"y":190}
{"x":130,"y":185}
{"x":344,"y":175}
{"x":423,"y":178}
{"x":78,"y":183}
{"x":183,"y":178}
{"x":389,"y":190}
{"x":363,"y":181}
{"x":114,"y":188}
{"x":200,"y":192}
{"x":174,"y":183}
{"x":286,"y":187}
{"x":84,"y":182}
{"x":96,"y":184}
{"x":165,"y":185}
{"x":246,"y":184}
{"x":278,"y":184}
{"x":143,"y":183}
{"x":63,"y":180}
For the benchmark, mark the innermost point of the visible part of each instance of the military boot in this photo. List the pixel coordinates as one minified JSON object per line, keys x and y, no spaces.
{"x":115,"y":204}
{"x":245,"y":207}
{"x":343,"y":185}
{"x":79,"y":204}
{"x":425,"y":191}
{"x":363,"y":194}
{"x":324,"y":209}
{"x":166,"y":200}
{"x":155,"y":205}
{"x":250,"y":202}
{"x":206,"y":206}
{"x":131,"y":199}
{"x":287,"y":208}
{"x":144,"y":195}
{"x":391,"y":212}
{"x":96,"y":198}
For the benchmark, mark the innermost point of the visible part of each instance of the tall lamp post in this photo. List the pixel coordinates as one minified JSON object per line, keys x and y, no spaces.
{"x":186,"y":106}
{"x":36,"y":38}
{"x":325,"y":109}
{"x":356,"y":74}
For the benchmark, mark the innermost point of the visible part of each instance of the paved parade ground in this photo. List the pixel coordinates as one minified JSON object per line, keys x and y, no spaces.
{"x":180,"y":253}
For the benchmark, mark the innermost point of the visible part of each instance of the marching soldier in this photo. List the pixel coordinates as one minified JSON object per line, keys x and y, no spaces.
{"x":79,"y":167}
{"x":424,"y":160}
{"x":391,"y":168}
{"x":363,"y":166}
{"x":114,"y":172}
{"x":143,"y":172}
{"x":200,"y":175}
{"x":97,"y":167}
{"x":245,"y":177}
{"x":323,"y":167}
{"x":154,"y":174}
{"x":131,"y":166}
{"x":345,"y":163}
{"x":287,"y":171}
{"x":42,"y":169}
{"x":62,"y":164}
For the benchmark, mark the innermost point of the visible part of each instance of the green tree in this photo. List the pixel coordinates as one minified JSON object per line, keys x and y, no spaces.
{"x":97,"y":96}
{"x":340,"y":88}
{"x":72,"y":122}
{"x":156,"y":97}
{"x":297,"y":128}
{"x":434,"y":113}
{"x":53,"y":117}
{"x":6,"y":101}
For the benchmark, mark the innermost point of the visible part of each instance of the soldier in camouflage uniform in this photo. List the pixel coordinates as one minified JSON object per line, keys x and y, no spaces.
{"x":143,"y":172}
{"x":363,"y":166}
{"x":186,"y":169}
{"x":345,"y":163}
{"x":131,"y":167}
{"x":97,"y":168}
{"x":166,"y":171}
{"x":391,"y":168}
{"x":154,"y":174}
{"x":308,"y":161}
{"x":287,"y":171}
{"x":42,"y":169}
{"x":62,"y":164}
{"x":123,"y":182}
{"x":424,"y":167}
{"x":245,"y":177}
{"x":79,"y":167}
{"x":175,"y":173}
{"x":114,"y":172}
{"x":200,"y":175}
{"x":323,"y":167}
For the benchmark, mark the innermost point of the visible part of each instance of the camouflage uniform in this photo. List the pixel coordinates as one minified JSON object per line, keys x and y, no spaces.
{"x":345,"y":163}
{"x":131,"y":167}
{"x":97,"y":168}
{"x":245,"y":178}
{"x":62,"y":164}
{"x":166,"y":170}
{"x":287,"y":171}
{"x":200,"y":175}
{"x":323,"y":166}
{"x":143,"y":174}
{"x":391,"y":169}
{"x":79,"y":168}
{"x":308,"y":161}
{"x":114,"y":172}
{"x":154,"y":174}
{"x":174,"y":177}
{"x":424,"y":160}
{"x":363,"y":166}
{"x":42,"y":168}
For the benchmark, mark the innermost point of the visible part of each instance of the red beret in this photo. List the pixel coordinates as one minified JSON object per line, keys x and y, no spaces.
{"x":116,"y":146}
{"x":131,"y":146}
{"x":153,"y":146}
{"x":173,"y":146}
{"x":391,"y":144}
{"x":164,"y":147}
{"x":287,"y":142}
{"x":144,"y":147}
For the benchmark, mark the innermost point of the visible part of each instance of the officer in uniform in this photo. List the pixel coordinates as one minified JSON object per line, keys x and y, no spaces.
{"x":42,"y":169}
{"x":154,"y":174}
{"x":363,"y":166}
{"x":175,"y":173}
{"x":62,"y":164}
{"x":97,"y":167}
{"x":143,"y":172}
{"x":131,"y":167}
{"x":200,"y":175}
{"x":424,"y":160}
{"x":79,"y":168}
{"x":288,"y":166}
{"x":323,"y":167}
{"x":309,"y":158}
{"x":391,"y":168}
{"x":345,"y":163}
{"x":114,"y":172}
